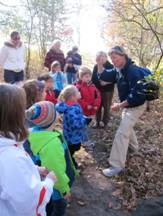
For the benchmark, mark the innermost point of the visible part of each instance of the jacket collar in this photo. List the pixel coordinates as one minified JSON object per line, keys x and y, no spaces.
{"x":124,"y":70}
{"x":70,"y":103}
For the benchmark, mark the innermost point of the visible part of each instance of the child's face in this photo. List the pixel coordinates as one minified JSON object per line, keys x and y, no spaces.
{"x":49,"y":84}
{"x":77,"y":95}
{"x":70,"y":64}
{"x":56,"y":69}
{"x":86,"y":78}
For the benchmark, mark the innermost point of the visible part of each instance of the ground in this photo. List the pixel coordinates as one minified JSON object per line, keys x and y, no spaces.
{"x":96,"y":195}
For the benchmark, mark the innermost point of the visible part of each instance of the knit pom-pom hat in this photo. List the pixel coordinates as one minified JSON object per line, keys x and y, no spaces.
{"x":42,"y":114}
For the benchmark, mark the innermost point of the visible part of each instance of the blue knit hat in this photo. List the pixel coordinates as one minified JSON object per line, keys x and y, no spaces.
{"x":42,"y":114}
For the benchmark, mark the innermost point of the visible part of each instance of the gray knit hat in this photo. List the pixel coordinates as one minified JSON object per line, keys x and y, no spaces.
{"x":118,"y":50}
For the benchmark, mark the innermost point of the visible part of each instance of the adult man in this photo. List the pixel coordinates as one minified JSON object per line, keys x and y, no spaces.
{"x":12,"y":57}
{"x":133,"y":105}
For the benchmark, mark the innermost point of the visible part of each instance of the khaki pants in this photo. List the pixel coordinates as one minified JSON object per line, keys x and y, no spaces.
{"x":125,"y":135}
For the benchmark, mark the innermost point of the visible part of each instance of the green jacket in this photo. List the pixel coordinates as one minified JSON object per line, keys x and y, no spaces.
{"x":49,"y":147}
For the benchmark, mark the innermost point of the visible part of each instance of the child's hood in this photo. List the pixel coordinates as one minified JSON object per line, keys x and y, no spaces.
{"x":39,"y":139}
{"x":6,"y":142}
{"x":62,"y":107}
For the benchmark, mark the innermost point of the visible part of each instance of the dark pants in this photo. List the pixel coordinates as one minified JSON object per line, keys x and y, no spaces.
{"x":56,"y":207}
{"x":73,"y":148}
{"x":13,"y":77}
{"x":106,"y":100}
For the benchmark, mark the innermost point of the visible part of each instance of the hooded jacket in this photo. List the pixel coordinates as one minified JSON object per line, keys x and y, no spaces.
{"x":21,"y":191}
{"x":89,"y":96}
{"x":127,"y":84}
{"x":73,"y":121}
{"x":49,"y":147}
{"x":12,"y":58}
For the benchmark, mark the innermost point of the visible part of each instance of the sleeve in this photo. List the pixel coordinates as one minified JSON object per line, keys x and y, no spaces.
{"x":64,"y":79}
{"x":77,"y":119}
{"x":55,"y":161}
{"x":97,"y":100}
{"x":81,"y":101}
{"x":134,"y":98}
{"x":47,"y":60}
{"x":3,"y":56}
{"x":23,"y":187}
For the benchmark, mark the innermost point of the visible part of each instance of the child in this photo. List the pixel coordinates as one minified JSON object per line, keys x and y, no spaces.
{"x":71,"y":71}
{"x":49,"y":92}
{"x":90,"y":96}
{"x":59,"y":78}
{"x":74,"y":122}
{"x":21,"y":191}
{"x":46,"y":141}
{"x":34,"y":90}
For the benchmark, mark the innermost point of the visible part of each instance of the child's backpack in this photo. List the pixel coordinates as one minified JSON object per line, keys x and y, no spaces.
{"x":148,"y":86}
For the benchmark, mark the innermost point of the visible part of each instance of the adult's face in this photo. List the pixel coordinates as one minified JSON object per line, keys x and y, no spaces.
{"x":101,"y":59}
{"x":15,"y":39}
{"x":57,"y":45}
{"x":118,"y":61}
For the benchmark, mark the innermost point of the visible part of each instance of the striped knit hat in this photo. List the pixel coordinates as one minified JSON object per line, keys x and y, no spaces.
{"x":42,"y":114}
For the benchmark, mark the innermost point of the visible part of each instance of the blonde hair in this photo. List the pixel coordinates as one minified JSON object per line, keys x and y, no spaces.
{"x":84,"y":71}
{"x":67,"y":92}
{"x":101,"y":53}
{"x":55,"y":64}
{"x":55,"y":42}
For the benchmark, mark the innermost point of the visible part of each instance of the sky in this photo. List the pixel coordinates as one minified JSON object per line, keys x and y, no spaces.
{"x":88,"y":21}
{"x":90,"y":18}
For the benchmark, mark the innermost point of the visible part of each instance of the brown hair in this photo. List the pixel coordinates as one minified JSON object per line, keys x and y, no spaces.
{"x":84,"y":71}
{"x":55,"y":64}
{"x":34,"y":91}
{"x":67,"y":92}
{"x":12,"y":112}
{"x":14,"y":34}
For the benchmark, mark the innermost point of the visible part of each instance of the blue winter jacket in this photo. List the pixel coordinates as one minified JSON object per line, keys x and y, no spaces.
{"x":127,"y":79}
{"x":74,"y":122}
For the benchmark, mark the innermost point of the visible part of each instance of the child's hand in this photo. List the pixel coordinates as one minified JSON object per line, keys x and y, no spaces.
{"x":103,"y":83}
{"x":43,"y":171}
{"x":52,"y":176}
{"x":89,"y":107}
{"x":68,"y":197}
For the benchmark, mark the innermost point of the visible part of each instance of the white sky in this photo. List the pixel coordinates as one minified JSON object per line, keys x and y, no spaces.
{"x":89,"y":20}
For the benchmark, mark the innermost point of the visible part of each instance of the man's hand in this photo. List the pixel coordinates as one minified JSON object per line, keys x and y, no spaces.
{"x":115,"y":107}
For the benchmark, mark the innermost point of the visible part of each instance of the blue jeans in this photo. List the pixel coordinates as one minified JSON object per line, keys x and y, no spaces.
{"x":71,"y":77}
{"x":13,"y":77}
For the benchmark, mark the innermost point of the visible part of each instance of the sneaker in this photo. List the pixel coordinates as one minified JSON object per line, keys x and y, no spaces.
{"x":96,"y":125}
{"x":112,"y":171}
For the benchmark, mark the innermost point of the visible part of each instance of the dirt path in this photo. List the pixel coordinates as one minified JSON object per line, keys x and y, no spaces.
{"x":96,"y":195}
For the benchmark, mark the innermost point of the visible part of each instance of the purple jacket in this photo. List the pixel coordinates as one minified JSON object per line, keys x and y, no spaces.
{"x":51,"y":56}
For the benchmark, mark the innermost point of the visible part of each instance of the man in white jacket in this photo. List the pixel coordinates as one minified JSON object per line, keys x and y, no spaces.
{"x":12,"y":59}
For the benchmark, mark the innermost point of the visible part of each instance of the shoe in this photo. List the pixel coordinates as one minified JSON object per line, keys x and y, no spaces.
{"x":112,"y":171}
{"x":96,"y":125}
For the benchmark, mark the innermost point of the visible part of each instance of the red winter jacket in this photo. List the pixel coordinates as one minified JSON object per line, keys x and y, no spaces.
{"x":50,"y":96}
{"x":89,"y":96}
{"x":51,"y":56}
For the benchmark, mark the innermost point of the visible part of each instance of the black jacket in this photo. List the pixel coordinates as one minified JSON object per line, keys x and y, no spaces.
{"x":107,"y":75}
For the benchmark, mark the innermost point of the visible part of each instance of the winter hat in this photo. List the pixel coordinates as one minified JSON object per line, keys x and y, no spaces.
{"x":118,"y":50}
{"x":42,"y":114}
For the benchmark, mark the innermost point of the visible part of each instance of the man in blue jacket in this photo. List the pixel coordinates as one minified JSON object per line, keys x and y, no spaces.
{"x":132,"y":104}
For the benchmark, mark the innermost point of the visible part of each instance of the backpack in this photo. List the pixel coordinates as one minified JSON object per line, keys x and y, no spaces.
{"x":148,"y":86}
